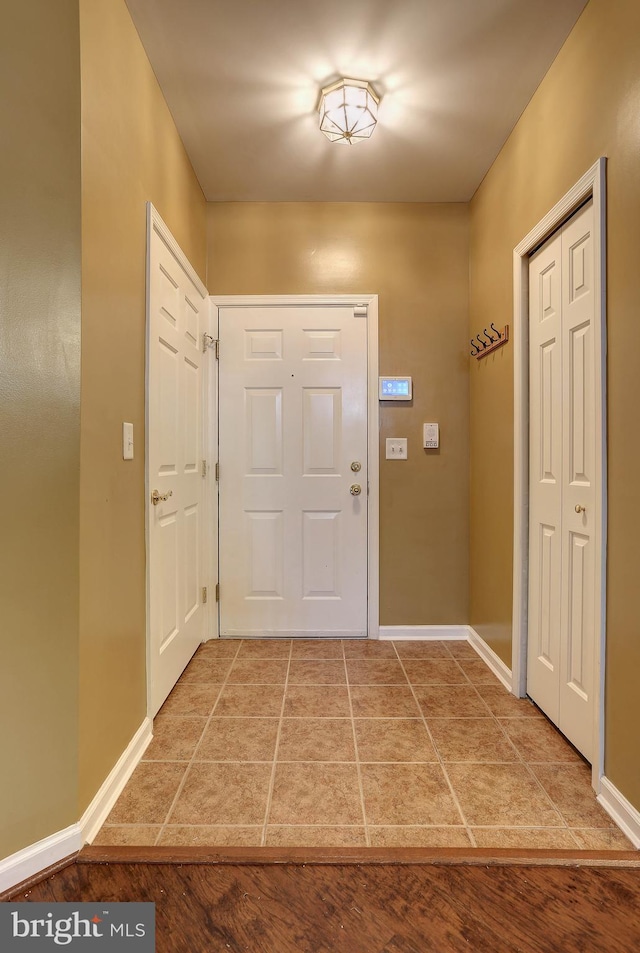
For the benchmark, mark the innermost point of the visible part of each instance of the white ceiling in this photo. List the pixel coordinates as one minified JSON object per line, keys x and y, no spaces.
{"x":242,"y":77}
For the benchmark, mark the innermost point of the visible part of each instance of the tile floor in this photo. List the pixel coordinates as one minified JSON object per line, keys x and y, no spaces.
{"x":347,"y":743}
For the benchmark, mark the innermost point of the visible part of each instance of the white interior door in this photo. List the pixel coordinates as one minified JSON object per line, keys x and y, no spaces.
{"x":177,"y":483}
{"x":562,"y":473}
{"x":293,"y":454}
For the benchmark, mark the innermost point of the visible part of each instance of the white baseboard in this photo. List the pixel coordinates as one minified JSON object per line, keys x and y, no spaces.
{"x":99,"y":809}
{"x":437,"y":633}
{"x":44,"y":853}
{"x":622,"y":811}
{"x":489,"y":657}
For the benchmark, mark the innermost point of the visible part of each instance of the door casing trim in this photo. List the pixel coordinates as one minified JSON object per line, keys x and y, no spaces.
{"x":592,"y":184}
{"x":373,"y":520}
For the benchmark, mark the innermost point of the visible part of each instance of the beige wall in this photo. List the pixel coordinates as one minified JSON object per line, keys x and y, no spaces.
{"x":587,"y":106}
{"x":415,"y":257}
{"x":39,"y":417}
{"x":131,"y":154}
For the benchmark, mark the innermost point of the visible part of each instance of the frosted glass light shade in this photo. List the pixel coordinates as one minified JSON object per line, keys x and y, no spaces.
{"x":348,"y":110}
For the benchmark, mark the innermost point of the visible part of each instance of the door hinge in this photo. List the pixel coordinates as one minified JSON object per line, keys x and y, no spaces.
{"x":205,"y":595}
{"x":217,"y":472}
{"x":217,"y":592}
{"x":205,"y":468}
{"x":360,"y":310}
{"x":208,"y":341}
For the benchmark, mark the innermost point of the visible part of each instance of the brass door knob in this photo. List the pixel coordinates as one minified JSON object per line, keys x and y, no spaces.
{"x":355,"y":489}
{"x":580,"y":509}
{"x":356,"y":466}
{"x":160,"y":497}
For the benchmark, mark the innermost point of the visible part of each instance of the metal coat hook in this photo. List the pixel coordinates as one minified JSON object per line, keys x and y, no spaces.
{"x":489,"y":343}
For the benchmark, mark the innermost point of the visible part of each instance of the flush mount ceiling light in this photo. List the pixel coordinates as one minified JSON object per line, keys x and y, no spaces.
{"x":348,"y":110}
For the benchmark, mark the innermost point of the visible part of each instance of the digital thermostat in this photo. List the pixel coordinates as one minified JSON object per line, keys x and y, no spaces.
{"x":394,"y":388}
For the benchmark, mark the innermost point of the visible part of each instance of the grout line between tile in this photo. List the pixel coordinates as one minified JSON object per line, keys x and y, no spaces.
{"x":272,"y":779}
{"x":367,"y":836}
{"x":440,"y":761}
{"x":193,"y":756}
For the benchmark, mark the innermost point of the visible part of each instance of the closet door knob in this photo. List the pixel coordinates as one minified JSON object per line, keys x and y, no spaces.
{"x":580,"y":509}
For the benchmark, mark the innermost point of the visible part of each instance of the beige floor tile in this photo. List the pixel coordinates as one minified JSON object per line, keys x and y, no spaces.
{"x":191,"y":699}
{"x":223,"y":794}
{"x":569,"y":787}
{"x":148,"y":794}
{"x":258,"y":672}
{"x":317,"y":672}
{"x":471,"y":739}
{"x":505,"y":705}
{"x":421,"y":650}
{"x":414,"y":794}
{"x":239,"y":739}
{"x":434,"y":672}
{"x":593,"y":839}
{"x":537,"y":740}
{"x":316,"y":739}
{"x":304,"y":836}
{"x":317,"y":649}
{"x":316,"y":794}
{"x":460,"y":648}
{"x":450,"y":701}
{"x":174,"y":738}
{"x":264,"y":649}
{"x":501,"y":795}
{"x":262,"y":701}
{"x":523,"y":838}
{"x":317,"y":701}
{"x":207,"y":835}
{"x":393,"y":739}
{"x":478,"y":671}
{"x":375,"y":672}
{"x":218,"y":649}
{"x":419,"y":837}
{"x":206,"y":670}
{"x":369,"y":649}
{"x":133,"y":835}
{"x":383,"y":701}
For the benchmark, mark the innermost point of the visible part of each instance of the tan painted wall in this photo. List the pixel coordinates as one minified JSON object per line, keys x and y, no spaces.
{"x":131,"y":154}
{"x":416,"y":258}
{"x":39,"y":417}
{"x":588,"y":105}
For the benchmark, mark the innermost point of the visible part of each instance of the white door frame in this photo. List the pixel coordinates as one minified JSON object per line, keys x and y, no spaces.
{"x":156,"y":225}
{"x":592,"y":183}
{"x":370,"y":302}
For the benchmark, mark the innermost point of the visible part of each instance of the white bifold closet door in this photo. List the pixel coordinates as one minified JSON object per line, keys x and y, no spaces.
{"x":560,"y":664}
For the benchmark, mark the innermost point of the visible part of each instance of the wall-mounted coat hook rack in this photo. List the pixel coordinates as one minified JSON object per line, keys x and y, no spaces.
{"x":486,"y":342}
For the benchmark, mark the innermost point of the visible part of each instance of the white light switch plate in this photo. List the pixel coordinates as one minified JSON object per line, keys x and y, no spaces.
{"x":396,"y":448}
{"x":127,"y":441}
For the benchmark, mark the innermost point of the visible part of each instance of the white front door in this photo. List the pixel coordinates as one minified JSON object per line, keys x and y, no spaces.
{"x":293,"y":471}
{"x":560,"y":668}
{"x":178,"y":317}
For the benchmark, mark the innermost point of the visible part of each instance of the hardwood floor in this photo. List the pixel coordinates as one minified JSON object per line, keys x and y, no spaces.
{"x":370,"y":908}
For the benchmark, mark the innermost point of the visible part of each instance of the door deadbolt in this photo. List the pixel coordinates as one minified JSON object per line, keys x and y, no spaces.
{"x":356,"y":466}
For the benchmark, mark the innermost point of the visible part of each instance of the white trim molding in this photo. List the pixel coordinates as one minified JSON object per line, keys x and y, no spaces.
{"x":37,"y":857}
{"x":370,"y":303}
{"x":100,"y":807}
{"x":622,"y":811}
{"x":425,"y":633}
{"x":592,"y":184}
{"x":491,"y":660}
